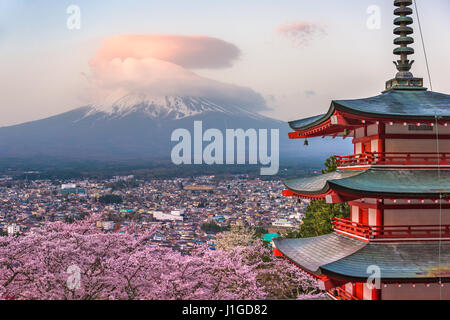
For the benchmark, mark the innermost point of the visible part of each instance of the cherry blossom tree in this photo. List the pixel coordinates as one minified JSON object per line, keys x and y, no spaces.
{"x":279,"y":278}
{"x":76,"y":261}
{"x":239,"y":235}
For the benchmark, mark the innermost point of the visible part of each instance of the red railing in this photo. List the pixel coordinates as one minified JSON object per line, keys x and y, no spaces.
{"x":340,"y":294}
{"x":391,"y":232}
{"x":393,"y":158}
{"x":355,"y":228}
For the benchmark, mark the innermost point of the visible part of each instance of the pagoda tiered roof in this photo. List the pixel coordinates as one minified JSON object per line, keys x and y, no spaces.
{"x":397,"y":155}
{"x":401,"y":105}
{"x":342,"y":257}
{"x":375,"y":182}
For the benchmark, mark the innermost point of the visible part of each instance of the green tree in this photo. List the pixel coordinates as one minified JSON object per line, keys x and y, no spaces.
{"x":213,"y":227}
{"x":330,"y":165}
{"x":110,"y":198}
{"x":319,"y":214}
{"x":260,"y":231}
{"x":318,"y":218}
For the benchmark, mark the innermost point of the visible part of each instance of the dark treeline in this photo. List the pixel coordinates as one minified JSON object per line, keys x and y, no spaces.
{"x":53,"y":169}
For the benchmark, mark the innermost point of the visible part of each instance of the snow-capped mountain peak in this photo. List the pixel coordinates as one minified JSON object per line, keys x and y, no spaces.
{"x":165,"y":107}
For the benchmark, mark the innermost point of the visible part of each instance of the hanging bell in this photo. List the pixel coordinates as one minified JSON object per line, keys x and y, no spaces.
{"x":306,"y":142}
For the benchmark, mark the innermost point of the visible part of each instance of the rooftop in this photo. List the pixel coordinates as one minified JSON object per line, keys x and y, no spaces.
{"x":414,"y":183}
{"x":402,"y":104}
{"x":339,"y":255}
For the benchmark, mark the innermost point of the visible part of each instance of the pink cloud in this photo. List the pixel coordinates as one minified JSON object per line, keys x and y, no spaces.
{"x":301,"y":33}
{"x":186,"y":51}
{"x":158,"y":65}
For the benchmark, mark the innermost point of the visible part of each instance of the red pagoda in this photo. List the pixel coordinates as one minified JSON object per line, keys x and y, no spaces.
{"x":396,"y":243}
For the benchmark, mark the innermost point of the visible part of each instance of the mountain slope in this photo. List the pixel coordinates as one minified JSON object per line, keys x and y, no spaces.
{"x":167,"y":107}
{"x":136,"y":127}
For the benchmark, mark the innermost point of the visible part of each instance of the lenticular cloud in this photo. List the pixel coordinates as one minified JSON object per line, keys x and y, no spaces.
{"x":161,"y":65}
{"x":185,"y":51}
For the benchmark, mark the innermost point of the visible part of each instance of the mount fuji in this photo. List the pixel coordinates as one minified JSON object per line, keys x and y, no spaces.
{"x":168,"y":107}
{"x":140,"y":127}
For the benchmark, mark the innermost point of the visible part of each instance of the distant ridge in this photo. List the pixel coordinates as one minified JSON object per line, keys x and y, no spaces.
{"x":139,"y":127}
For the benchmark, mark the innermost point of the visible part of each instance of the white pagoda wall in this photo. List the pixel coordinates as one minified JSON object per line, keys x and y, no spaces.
{"x":413,"y":145}
{"x":372,"y":217}
{"x":404,"y":145}
{"x":371,"y":130}
{"x":367,"y":294}
{"x":416,"y":145}
{"x":401,"y":216}
{"x":359,"y":133}
{"x":411,"y":217}
{"x":401,"y":129}
{"x":419,"y":292}
{"x":354,"y":214}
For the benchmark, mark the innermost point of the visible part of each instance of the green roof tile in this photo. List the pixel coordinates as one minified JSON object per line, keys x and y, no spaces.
{"x":376,"y":181}
{"x":336,"y":254}
{"x":402,"y":104}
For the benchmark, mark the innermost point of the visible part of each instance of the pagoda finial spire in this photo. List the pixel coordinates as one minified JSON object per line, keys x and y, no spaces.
{"x":403,"y":31}
{"x":404,"y":79}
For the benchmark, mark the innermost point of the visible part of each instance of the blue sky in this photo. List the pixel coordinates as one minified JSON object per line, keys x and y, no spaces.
{"x":45,"y":64}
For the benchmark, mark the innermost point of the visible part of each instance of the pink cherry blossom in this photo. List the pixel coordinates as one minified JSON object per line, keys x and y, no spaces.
{"x":123,"y":265}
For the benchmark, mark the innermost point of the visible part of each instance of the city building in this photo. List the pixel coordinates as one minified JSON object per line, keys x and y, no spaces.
{"x":68,"y":186}
{"x":283,"y":223}
{"x":158,"y":215}
{"x":31,"y":204}
{"x":72,"y":189}
{"x":13,"y":228}
{"x":395,"y":245}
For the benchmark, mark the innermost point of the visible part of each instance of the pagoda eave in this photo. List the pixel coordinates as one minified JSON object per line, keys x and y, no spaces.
{"x":339,"y":279}
{"x":342,"y":258}
{"x":390,"y":107}
{"x":347,"y":185}
{"x":329,"y":196}
{"x":339,"y":196}
{"x":344,"y":123}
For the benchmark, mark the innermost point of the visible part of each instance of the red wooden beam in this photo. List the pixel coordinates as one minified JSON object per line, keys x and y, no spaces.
{"x":341,"y":120}
{"x":277,"y":253}
{"x":290,"y":193}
